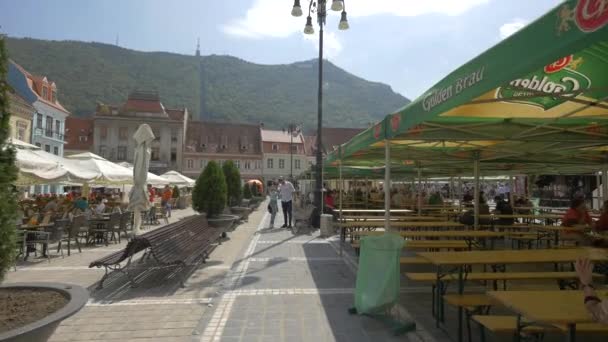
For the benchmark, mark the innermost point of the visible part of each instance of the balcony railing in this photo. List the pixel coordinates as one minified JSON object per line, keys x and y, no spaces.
{"x":41,"y":132}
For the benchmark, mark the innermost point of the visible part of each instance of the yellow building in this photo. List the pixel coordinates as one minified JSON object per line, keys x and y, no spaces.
{"x":21,"y":117}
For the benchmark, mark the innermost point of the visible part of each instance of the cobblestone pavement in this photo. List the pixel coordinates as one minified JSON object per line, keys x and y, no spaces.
{"x":290,"y":287}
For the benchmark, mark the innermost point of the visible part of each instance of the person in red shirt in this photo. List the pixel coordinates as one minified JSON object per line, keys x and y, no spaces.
{"x":602,"y":224}
{"x":577,"y":214}
{"x":152,"y":193}
{"x":329,"y":200}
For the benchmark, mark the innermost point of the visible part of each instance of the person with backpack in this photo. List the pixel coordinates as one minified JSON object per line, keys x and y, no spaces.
{"x":273,"y":206}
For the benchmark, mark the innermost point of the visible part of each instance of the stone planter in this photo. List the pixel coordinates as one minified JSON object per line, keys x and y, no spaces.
{"x":223,"y":222}
{"x":42,"y":329}
{"x":242,"y":212}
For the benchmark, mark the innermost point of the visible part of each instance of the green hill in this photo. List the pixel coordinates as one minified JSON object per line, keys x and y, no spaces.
{"x":232,"y":89}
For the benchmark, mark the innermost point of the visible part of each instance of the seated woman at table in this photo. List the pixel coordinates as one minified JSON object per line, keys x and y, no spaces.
{"x":503,"y":208}
{"x":577,"y":214}
{"x":81,"y":204}
{"x":597,"y":308}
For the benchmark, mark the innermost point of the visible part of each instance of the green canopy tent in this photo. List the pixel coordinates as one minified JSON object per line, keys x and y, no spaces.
{"x":534,"y":103}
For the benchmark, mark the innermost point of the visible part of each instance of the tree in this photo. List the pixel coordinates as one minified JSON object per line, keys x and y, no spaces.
{"x":233,"y":183}
{"x":247,"y":191}
{"x":209,"y":194}
{"x":175,"y":192}
{"x":255,"y":191}
{"x":8,"y":175}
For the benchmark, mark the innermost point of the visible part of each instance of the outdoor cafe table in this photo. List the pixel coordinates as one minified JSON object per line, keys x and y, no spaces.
{"x":448,"y":263}
{"x":558,"y":308}
{"x":371,"y":225}
{"x":556,"y":230}
{"x":470,"y":236}
{"x":541,"y":217}
{"x":393,"y":218}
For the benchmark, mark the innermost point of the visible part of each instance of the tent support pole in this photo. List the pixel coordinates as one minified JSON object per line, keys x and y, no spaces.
{"x":604,"y":184}
{"x":341,"y":189}
{"x":476,"y":194}
{"x":419,"y":204}
{"x":451,"y":189}
{"x":366,"y":194}
{"x":511,"y":190}
{"x":387,"y":185}
{"x":599,"y":198}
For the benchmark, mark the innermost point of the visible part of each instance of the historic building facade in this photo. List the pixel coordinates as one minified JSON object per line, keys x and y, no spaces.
{"x":114,"y":126}
{"x":21,"y":117}
{"x":280,"y":148}
{"x":206,"y":141}
{"x":78,"y":135}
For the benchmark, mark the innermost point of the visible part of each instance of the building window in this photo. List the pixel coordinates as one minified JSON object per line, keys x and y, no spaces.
{"x":39,"y":121}
{"x":155,"y":153}
{"x":269,"y":163}
{"x":103,"y":151}
{"x":123,"y":133}
{"x":103,"y":132}
{"x":297,"y":163}
{"x":45,"y":93}
{"x":173,"y":135}
{"x":247,"y":164}
{"x":294,"y":148}
{"x":190,"y":163}
{"x":281,"y":163}
{"x":237,"y":163}
{"x":121,"y":153}
{"x":173,"y":154}
{"x":47,"y":148}
{"x":20,"y":130}
{"x":56,"y":150}
{"x":275,"y":147}
{"x":49,"y":127}
{"x":54,"y":96}
{"x":38,"y":144}
{"x":57,"y":127}
{"x":83,"y":138}
{"x":203,"y":163}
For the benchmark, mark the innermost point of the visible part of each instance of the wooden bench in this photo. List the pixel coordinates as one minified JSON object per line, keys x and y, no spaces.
{"x":508,"y":325}
{"x":489,"y":276}
{"x":178,"y":244}
{"x":415,"y":260}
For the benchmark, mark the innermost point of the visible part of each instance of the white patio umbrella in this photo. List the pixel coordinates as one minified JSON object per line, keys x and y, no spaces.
{"x":152,"y":178}
{"x":138,"y":197}
{"x":106,"y":172}
{"x":176,"y":178}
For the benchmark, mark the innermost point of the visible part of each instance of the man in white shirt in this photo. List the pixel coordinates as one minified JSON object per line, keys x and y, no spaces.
{"x":286,"y":191}
{"x":101,"y":207}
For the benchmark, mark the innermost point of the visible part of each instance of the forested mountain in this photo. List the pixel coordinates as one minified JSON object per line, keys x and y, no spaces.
{"x":228,"y":88}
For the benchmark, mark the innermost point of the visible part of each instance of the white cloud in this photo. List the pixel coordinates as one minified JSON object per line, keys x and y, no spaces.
{"x":512,"y":27}
{"x":331,"y":44}
{"x":272,"y":19}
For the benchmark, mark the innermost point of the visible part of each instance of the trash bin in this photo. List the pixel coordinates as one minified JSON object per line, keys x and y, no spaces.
{"x":378,"y":277}
{"x":327,"y":225}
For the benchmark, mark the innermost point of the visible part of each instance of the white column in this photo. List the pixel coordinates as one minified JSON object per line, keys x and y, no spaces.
{"x":387,"y":185}
{"x":476,"y":195}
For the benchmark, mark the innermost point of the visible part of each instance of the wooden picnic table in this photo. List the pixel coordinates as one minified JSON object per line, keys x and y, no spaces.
{"x":376,"y":211}
{"x":393,"y":218}
{"x":450,"y":263}
{"x":372,"y":225}
{"x":470,"y":236}
{"x":39,"y":226}
{"x":558,"y":308}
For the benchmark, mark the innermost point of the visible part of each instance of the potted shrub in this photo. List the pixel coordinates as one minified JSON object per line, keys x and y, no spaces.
{"x":210,"y":196}
{"x":233,"y":187}
{"x":33,"y":310}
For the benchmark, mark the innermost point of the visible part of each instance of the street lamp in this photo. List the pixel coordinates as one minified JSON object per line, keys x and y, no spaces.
{"x":320,"y":8}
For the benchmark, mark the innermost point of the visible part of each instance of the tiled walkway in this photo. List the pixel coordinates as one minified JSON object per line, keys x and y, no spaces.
{"x":291,"y":288}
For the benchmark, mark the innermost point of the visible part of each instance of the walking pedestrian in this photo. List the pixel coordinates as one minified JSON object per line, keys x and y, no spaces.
{"x":286,"y":191}
{"x":273,"y":205}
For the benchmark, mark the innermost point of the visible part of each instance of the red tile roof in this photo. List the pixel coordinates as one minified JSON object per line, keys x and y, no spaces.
{"x":176,"y":114}
{"x":74,"y":129}
{"x":33,"y":82}
{"x":143,"y":106}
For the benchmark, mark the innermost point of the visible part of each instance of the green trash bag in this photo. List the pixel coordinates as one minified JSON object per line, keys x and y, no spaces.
{"x":378,"y":277}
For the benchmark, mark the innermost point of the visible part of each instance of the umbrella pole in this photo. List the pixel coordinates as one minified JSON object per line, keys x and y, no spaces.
{"x":476,"y":194}
{"x":387,"y":185}
{"x":136,"y":222}
{"x":419,"y":204}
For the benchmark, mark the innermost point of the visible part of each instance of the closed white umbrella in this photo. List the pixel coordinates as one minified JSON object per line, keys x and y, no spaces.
{"x":138,"y":197}
{"x":152,"y":178}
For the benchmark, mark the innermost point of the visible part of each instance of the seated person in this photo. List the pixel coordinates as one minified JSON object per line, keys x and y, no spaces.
{"x":101,"y":207}
{"x":503,"y":208}
{"x":51,"y":205}
{"x":436,"y":199}
{"x":328,"y":200}
{"x":467,"y":198}
{"x":577,"y":214}
{"x":81,"y":204}
{"x":398,"y":200}
{"x":602,"y":224}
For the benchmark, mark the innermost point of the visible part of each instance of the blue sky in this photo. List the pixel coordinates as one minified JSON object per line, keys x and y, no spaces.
{"x":408,"y":44}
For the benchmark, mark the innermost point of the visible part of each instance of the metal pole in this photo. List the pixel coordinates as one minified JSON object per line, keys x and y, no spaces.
{"x":341,"y":189}
{"x":511,"y":190}
{"x":604,"y":184}
{"x":366,"y":194}
{"x":319,"y":175}
{"x":291,"y":152}
{"x":387,"y":185}
{"x":419,"y":204}
{"x":476,"y":201}
{"x":599,"y":198}
{"x":451,"y":190}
